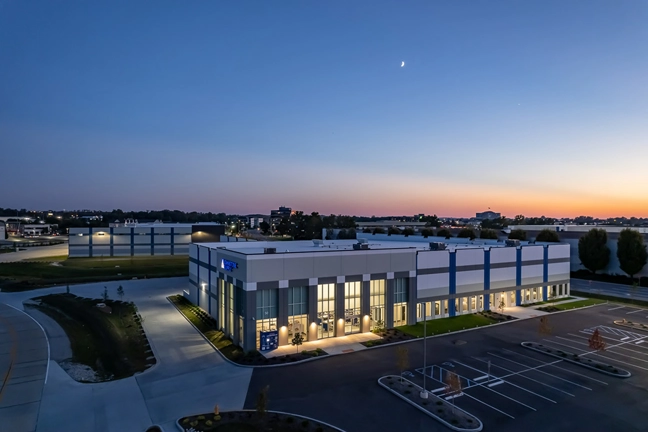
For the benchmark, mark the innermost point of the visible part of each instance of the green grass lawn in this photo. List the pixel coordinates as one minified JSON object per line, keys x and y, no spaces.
{"x":547,"y":302}
{"x":578,"y":304}
{"x":110,"y":343}
{"x":24,"y":275}
{"x":445,"y":325}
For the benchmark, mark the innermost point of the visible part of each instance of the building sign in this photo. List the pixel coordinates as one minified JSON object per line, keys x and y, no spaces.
{"x":269,"y":340}
{"x":228,"y":265}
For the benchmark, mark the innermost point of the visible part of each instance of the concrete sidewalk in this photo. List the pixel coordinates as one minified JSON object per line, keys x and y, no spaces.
{"x":335,"y":345}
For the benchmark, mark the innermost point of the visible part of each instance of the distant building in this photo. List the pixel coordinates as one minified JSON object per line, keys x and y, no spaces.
{"x":487,"y":215}
{"x":277,"y":215}
{"x":255,"y":220}
{"x":133,"y":239}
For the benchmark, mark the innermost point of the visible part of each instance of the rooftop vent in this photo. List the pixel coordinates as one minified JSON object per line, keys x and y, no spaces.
{"x":437,"y":246}
{"x":512,"y":243}
{"x":269,"y":250}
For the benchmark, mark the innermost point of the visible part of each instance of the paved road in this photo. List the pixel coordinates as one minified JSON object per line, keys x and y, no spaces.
{"x":189,"y":376}
{"x":605,"y":288}
{"x":23,"y":369}
{"x":34,"y":253}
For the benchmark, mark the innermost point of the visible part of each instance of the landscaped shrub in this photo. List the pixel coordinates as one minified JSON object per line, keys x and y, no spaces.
{"x":290,"y":420}
{"x":304,"y":423}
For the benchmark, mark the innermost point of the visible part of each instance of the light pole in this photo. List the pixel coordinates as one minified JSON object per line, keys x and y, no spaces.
{"x":424,"y":393}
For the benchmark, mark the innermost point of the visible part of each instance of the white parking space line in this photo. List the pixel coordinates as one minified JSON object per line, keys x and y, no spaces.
{"x":640,"y":342}
{"x":552,"y":364}
{"x":489,"y":406}
{"x":620,"y":307}
{"x":617,"y":346}
{"x":493,"y":384}
{"x":538,"y":370}
{"x":638,"y":310}
{"x":625,"y":338}
{"x":595,"y":354}
{"x":520,"y":374}
{"x":517,"y":386}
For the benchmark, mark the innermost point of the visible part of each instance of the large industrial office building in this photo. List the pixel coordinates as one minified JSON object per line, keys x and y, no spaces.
{"x":334,"y":288}
{"x":138,"y":239}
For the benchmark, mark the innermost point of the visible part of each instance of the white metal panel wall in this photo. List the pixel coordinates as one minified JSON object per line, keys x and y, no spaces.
{"x":504,"y":276}
{"x":470,"y":280}
{"x":532,"y":274}
{"x":558,"y":271}
{"x":436,"y":284}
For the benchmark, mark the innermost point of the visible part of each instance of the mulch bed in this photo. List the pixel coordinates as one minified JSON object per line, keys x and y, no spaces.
{"x":252,"y":421}
{"x":497,"y":316}
{"x":387,"y":337}
{"x":632,"y":325}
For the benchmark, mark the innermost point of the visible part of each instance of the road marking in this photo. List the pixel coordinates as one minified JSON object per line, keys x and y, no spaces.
{"x":526,"y":377}
{"x":489,"y":406}
{"x":625,"y":338}
{"x":640,"y":342}
{"x":585,"y":352}
{"x":638,"y":310}
{"x":617,"y":346}
{"x":495,"y":383}
{"x":453,"y":396}
{"x":620,"y":307}
{"x":552,"y":364}
{"x":481,"y":378}
{"x":437,"y":390}
{"x":514,"y":400}
{"x":538,"y":370}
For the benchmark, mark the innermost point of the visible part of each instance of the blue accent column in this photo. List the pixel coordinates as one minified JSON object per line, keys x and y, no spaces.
{"x":209,"y":302}
{"x":112,"y":242}
{"x":152,"y":241}
{"x":452,"y":284}
{"x":518,"y":276}
{"x":486,"y":279}
{"x":545,"y":272}
{"x":90,"y":242}
{"x":172,"y":237}
{"x":132,"y":234}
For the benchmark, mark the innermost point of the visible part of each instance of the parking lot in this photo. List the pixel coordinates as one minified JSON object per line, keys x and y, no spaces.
{"x":507,"y":386}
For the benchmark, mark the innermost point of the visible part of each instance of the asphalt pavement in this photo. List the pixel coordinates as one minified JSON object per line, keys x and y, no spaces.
{"x":610,"y":289}
{"x":34,"y":253}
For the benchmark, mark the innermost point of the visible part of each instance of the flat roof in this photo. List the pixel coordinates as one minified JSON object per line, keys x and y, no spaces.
{"x":297,"y":246}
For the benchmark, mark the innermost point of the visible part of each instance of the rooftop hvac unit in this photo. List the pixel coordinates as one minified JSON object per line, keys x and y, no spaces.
{"x":363,"y":240}
{"x":269,"y":250}
{"x":512,"y":243}
{"x":437,"y":246}
{"x":318,"y":243}
{"x":360,"y":246}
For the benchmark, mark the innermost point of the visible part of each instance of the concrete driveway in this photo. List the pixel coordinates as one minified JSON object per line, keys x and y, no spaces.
{"x":34,"y":253}
{"x":189,"y":376}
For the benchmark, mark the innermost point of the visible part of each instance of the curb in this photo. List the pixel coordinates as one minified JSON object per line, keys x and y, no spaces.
{"x":620,"y":324}
{"x":182,"y":429}
{"x":430,"y":413}
{"x":579,"y":363}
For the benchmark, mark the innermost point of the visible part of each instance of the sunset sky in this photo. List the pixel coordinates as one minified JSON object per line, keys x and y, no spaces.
{"x":532,"y":107}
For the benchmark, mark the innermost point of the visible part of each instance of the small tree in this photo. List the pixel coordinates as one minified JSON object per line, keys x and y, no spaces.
{"x":501,"y":305}
{"x":427,"y":232}
{"x":298,"y":339}
{"x":487,"y":233}
{"x":517,"y":234}
{"x":466,"y":233}
{"x":631,"y":252}
{"x":120,"y":292}
{"x":453,"y":386}
{"x":593,"y":251}
{"x":596,"y":341}
{"x":548,"y":236}
{"x":379,"y":230}
{"x":393,"y":230}
{"x":105,"y":294}
{"x":408,"y":232}
{"x":262,"y":401}
{"x":265,"y":227}
{"x":444,"y":232}
{"x":545,"y":328}
{"x":402,"y":359}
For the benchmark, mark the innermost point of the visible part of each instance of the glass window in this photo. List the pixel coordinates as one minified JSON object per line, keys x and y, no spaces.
{"x":377,"y":303}
{"x":326,"y":310}
{"x":230,"y":290}
{"x":400,"y":314}
{"x":352,"y":304}
{"x":298,"y":311}
{"x":437,"y":308}
{"x":221,"y":313}
{"x":401,"y":290}
{"x":266,"y":304}
{"x":264,"y":325}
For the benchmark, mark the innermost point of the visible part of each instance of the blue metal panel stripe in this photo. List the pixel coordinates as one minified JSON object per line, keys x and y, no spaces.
{"x":172,"y":240}
{"x":132,"y":245}
{"x":545,"y":272}
{"x":452,"y":283}
{"x":152,"y":241}
{"x":486,"y":278}
{"x":518,"y":276}
{"x":111,"y":242}
{"x":209,"y":282}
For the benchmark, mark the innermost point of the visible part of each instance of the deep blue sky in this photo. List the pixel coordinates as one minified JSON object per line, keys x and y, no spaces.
{"x":537,"y":107}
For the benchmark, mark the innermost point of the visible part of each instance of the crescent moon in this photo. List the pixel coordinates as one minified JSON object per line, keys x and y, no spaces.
{"x":402,"y":64}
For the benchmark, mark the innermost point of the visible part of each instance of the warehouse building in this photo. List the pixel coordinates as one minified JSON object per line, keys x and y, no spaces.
{"x":138,"y":239}
{"x":262,"y":293}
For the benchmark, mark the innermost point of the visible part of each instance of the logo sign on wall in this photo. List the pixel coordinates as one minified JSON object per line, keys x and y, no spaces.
{"x":228,"y":265}
{"x":269,"y":340}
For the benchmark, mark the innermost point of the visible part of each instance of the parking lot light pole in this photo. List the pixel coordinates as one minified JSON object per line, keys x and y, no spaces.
{"x":424,"y":393}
